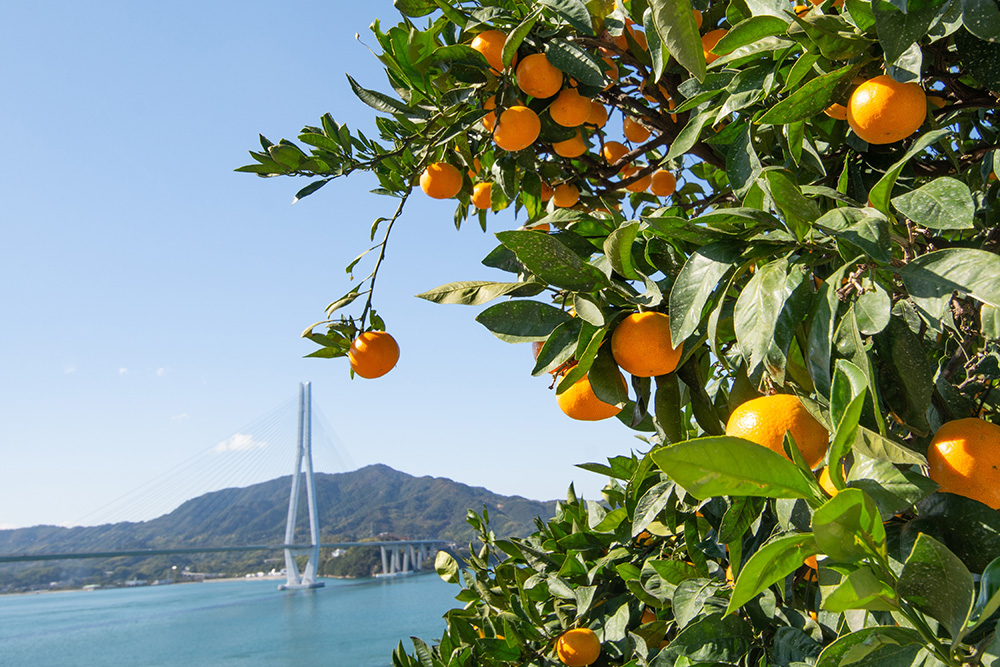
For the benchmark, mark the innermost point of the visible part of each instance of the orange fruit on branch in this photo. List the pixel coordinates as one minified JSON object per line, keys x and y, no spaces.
{"x":708,"y":42}
{"x":570,"y":108}
{"x":490,"y":120}
{"x":482,"y":194}
{"x":572,"y":147}
{"x":641,"y":345}
{"x":537,"y":77}
{"x":490,"y":44}
{"x":765,"y":420}
{"x":634,"y":132}
{"x":598,"y":115}
{"x":964,"y":458}
{"x":663,"y":183}
{"x":640,"y":185}
{"x":580,"y":402}
{"x":565,"y":195}
{"x":441,"y":180}
{"x":578,"y":647}
{"x":373,"y":354}
{"x":884,"y":111}
{"x":838,"y":111}
{"x":517,"y":128}
{"x":613,"y":151}
{"x":697,"y":18}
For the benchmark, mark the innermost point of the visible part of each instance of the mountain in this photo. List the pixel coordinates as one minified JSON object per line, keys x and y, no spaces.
{"x":356,"y":505}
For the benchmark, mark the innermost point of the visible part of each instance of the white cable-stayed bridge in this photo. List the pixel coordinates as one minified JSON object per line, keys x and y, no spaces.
{"x":262,"y":447}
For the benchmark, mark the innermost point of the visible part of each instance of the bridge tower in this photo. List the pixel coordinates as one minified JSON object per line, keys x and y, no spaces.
{"x":307,"y":578}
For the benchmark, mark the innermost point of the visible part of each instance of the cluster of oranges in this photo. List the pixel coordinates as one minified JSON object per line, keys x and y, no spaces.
{"x":641,"y":346}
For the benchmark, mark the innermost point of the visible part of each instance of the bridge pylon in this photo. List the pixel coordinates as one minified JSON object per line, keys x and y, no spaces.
{"x":306,"y":578}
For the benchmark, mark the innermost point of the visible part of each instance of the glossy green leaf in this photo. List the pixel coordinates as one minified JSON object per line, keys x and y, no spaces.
{"x":848,"y":527}
{"x":808,"y":100}
{"x":861,"y":589}
{"x":446,"y":566}
{"x":713,"y":639}
{"x":573,"y":60}
{"x":931,"y":279}
{"x":675,"y":25}
{"x":757,"y":311}
{"x":944,"y":203}
{"x":688,"y":136}
{"x":873,"y":647}
{"x":982,"y":19}
{"x":574,"y":12}
{"x":873,"y":309}
{"x":618,"y":250}
{"x":476,"y":292}
{"x":516,"y":37}
{"x":892,"y":490}
{"x":749,"y":31}
{"x":988,"y":599}
{"x":882,"y":191}
{"x":936,"y":582}
{"x":521,"y":321}
{"x":898,"y":29}
{"x":982,"y":58}
{"x":697,"y":280}
{"x":726,"y":466}
{"x":769,"y":565}
{"x":551,"y":261}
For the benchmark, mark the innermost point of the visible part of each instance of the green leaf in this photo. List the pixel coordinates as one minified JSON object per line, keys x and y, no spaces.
{"x":379,"y":101}
{"x":882,"y":191}
{"x":521,"y":321}
{"x":873,"y":310}
{"x":982,"y":19}
{"x":861,"y":589}
{"x":579,"y":64}
{"x":618,"y":250}
{"x":749,"y":31}
{"x":847,"y":398}
{"x":757,"y":310}
{"x":769,"y":565}
{"x":988,"y":600}
{"x":688,"y":137}
{"x":937,"y":583}
{"x":892,"y":490}
{"x":674,"y":21}
{"x":822,"y":322}
{"x":931,"y":279}
{"x":808,"y":100}
{"x":447,"y":567}
{"x":944,"y":203}
{"x":650,"y":505}
{"x":848,"y":527}
{"x":477,"y":292}
{"x":606,"y":380}
{"x":898,"y":30}
{"x":694,"y":598}
{"x":713,"y":639}
{"x":551,"y":261}
{"x":982,"y":58}
{"x":559,"y":347}
{"x":726,"y":466}
{"x":516,"y":37}
{"x":743,"y":512}
{"x":574,"y":12}
{"x":697,"y":280}
{"x":414,"y":8}
{"x":969,"y":528}
{"x":873,"y":647}
{"x":799,"y":211}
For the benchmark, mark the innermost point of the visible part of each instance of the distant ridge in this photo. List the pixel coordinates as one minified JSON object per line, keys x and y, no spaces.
{"x":353,"y":505}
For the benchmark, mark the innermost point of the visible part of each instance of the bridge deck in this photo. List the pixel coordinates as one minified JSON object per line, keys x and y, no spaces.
{"x":23,"y":558}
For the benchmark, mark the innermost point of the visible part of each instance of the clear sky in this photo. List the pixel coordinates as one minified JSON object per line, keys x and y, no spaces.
{"x":153,"y":298}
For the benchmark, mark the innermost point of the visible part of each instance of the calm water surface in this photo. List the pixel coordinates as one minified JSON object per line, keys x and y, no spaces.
{"x":349,"y":623}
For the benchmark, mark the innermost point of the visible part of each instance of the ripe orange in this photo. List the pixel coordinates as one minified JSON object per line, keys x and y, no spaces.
{"x":578,"y":647}
{"x":884,"y":111}
{"x":613,"y":151}
{"x":546,"y":191}
{"x":663,"y":183}
{"x":641,"y":345}
{"x":537,"y":77}
{"x":837,"y":3}
{"x":580,"y":402}
{"x":826,"y":483}
{"x":441,"y":180}
{"x":598,"y":114}
{"x":610,"y":72}
{"x":373,"y":354}
{"x":572,"y":147}
{"x":634,"y":132}
{"x":482,"y":194}
{"x":708,"y":42}
{"x":490,"y":44}
{"x":765,"y":419}
{"x":638,"y":35}
{"x":838,"y":111}
{"x":490,"y":120}
{"x":570,"y":108}
{"x":697,"y":18}
{"x":640,"y":185}
{"x":964,"y":458}
{"x":811,"y":562}
{"x":937,"y":101}
{"x":648,"y":616}
{"x":517,"y":128}
{"x":565,"y":195}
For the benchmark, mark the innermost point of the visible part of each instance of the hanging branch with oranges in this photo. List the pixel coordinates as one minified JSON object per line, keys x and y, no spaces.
{"x":765,"y":238}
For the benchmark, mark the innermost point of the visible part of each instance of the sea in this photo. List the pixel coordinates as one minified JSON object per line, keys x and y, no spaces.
{"x":349,"y":623}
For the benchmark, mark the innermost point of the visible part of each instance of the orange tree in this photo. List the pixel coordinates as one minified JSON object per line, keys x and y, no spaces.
{"x":787,"y":213}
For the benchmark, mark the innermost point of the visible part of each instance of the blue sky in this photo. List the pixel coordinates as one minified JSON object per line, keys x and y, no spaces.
{"x":153,"y":298}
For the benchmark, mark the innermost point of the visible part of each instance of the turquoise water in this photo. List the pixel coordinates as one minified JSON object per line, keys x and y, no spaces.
{"x":224,"y":623}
